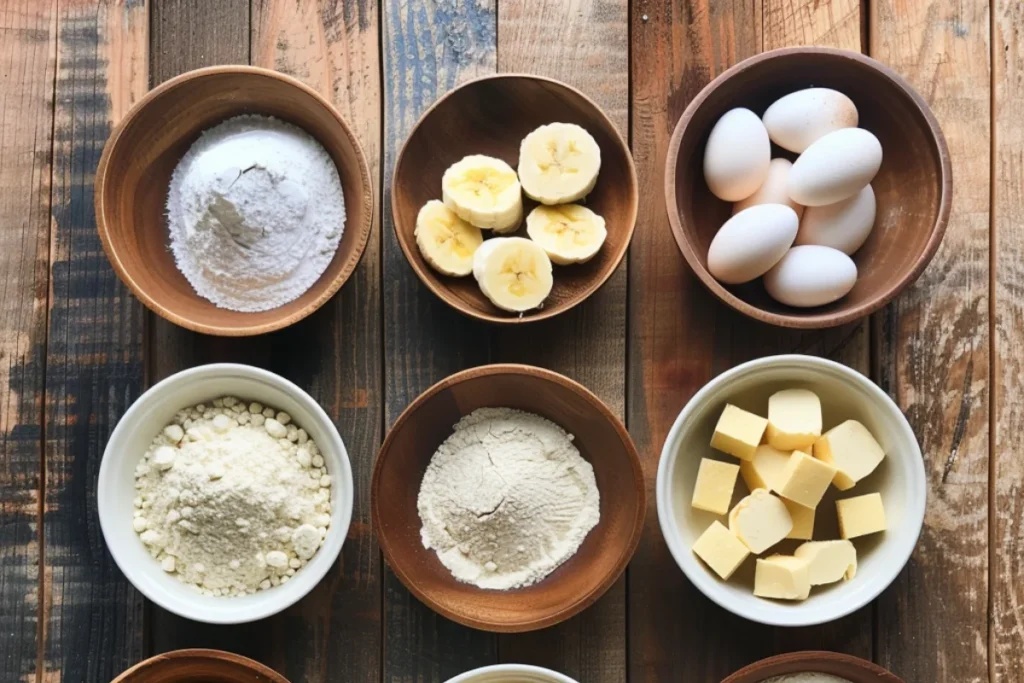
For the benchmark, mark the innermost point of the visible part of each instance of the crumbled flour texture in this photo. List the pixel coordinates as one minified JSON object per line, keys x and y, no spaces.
{"x":807,"y":677}
{"x":232,"y":498}
{"x":506,"y":499}
{"x":255,"y":211}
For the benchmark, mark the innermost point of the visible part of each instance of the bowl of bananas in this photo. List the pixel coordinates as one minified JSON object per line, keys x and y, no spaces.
{"x":514,"y":198}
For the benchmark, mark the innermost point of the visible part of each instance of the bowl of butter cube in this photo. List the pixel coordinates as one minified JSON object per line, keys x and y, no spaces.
{"x":791,"y":490}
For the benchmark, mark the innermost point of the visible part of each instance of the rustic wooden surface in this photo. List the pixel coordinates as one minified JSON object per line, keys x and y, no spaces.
{"x":77,"y":349}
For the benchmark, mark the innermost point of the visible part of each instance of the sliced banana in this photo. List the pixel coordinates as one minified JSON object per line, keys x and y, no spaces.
{"x":485,"y":192}
{"x":513,"y":272}
{"x":558,"y":163}
{"x":446,"y":241}
{"x":569,"y":233}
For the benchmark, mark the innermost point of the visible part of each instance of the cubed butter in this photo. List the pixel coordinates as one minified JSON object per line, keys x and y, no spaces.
{"x":764,"y":470}
{"x":783,"y":577}
{"x":794,"y":419}
{"x":805,"y":479}
{"x":861,"y":515}
{"x":715,"y":483}
{"x":829,"y":561}
{"x":760,"y":520}
{"x":738,"y":432}
{"x":720,"y":550}
{"x":852,"y":450}
{"x":803,"y":520}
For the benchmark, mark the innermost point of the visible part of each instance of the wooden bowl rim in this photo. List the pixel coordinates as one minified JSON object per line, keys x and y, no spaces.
{"x":168,"y":658}
{"x":581,"y":602}
{"x":820,"y":320}
{"x":811,"y":658}
{"x":364,"y":227}
{"x":441,"y":292}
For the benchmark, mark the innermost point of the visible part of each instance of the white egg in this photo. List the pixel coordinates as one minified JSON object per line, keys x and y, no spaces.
{"x":798,"y":119}
{"x":811,"y":275}
{"x":751,"y":242}
{"x":844,"y":225}
{"x":773,"y":190}
{"x":737,"y":155}
{"x":835,"y":167}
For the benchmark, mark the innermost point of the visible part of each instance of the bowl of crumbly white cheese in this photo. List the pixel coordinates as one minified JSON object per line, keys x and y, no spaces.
{"x":813,"y":667}
{"x":225,"y":493}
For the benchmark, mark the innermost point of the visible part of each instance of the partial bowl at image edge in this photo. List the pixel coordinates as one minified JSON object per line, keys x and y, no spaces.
{"x":855,"y":669}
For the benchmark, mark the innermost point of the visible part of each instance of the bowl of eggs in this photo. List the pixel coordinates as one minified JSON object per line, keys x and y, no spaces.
{"x":807,"y":187}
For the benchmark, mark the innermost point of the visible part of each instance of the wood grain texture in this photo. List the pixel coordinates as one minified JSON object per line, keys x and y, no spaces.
{"x":93,"y":618}
{"x":788,"y":23}
{"x":27,"y":53}
{"x":584,"y":43}
{"x":333,"y":47}
{"x":1006,"y":622}
{"x":932,"y":354}
{"x":428,"y":48}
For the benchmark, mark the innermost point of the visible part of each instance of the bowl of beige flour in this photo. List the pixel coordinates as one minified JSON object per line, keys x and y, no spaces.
{"x":225,"y":493}
{"x":813,"y":667}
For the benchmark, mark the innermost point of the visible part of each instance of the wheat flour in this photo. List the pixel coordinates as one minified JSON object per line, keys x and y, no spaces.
{"x":255,"y":211}
{"x":807,"y":677}
{"x":232,"y":498}
{"x":506,"y":499}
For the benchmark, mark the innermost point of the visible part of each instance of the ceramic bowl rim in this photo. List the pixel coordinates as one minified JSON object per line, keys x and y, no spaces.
{"x":199,"y":653}
{"x":812,"y":658}
{"x":468,"y":676}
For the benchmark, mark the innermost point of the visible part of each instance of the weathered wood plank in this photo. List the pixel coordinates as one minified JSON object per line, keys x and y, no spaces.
{"x":427,"y":48}
{"x":586,"y":45}
{"x":933,"y":354}
{"x":1006,"y":622}
{"x":334,"y":47}
{"x":788,"y":23}
{"x":28,"y":54}
{"x":93,"y":618}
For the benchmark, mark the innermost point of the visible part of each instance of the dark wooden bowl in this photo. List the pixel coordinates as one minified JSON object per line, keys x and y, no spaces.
{"x":200,"y":666}
{"x":851,"y":668}
{"x":913,"y":186}
{"x":134,"y":175}
{"x":491,"y":116}
{"x":600,"y":438}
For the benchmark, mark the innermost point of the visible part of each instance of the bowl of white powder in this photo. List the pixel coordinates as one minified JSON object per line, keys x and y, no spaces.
{"x":508,"y":498}
{"x":233,"y":200}
{"x":813,"y":667}
{"x":225,"y":493}
{"x":511,"y":673}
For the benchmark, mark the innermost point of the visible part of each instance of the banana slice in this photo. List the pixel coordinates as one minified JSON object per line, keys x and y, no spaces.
{"x":569,"y":233}
{"x":485,"y":192}
{"x":446,"y":241}
{"x":513,"y":272}
{"x":558,"y":163}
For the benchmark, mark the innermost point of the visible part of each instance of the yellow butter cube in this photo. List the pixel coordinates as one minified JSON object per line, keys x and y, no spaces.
{"x":829,"y":561}
{"x":738,"y":432}
{"x":783,"y":577}
{"x":715,"y":483}
{"x":794,"y":419}
{"x":806,"y":479}
{"x":760,"y":520}
{"x":764,"y":470}
{"x":720,"y":550}
{"x":803,"y":520}
{"x":861,"y":515}
{"x":852,"y":450}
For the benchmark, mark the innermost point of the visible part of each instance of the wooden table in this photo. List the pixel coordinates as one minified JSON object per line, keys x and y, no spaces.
{"x":77,"y":349}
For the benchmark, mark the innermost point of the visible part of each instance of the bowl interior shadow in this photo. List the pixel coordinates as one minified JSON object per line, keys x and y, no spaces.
{"x":573,"y":585}
{"x":491,"y":117}
{"x":908,"y":187}
{"x":150,"y":146}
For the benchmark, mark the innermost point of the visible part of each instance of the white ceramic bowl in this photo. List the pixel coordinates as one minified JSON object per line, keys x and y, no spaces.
{"x":503,"y":673}
{"x":845,"y":394}
{"x":132,"y":436}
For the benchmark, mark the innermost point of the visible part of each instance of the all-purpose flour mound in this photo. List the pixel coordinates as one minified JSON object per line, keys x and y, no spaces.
{"x":255,"y":211}
{"x":506,"y":499}
{"x":232,"y":498}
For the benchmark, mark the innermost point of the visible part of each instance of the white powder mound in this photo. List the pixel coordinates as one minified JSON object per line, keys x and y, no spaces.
{"x":255,"y":211}
{"x":506,"y":499}
{"x":807,"y":677}
{"x":232,"y":499}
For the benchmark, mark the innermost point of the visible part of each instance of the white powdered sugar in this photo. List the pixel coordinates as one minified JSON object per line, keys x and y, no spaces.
{"x":506,"y":499}
{"x":807,"y":677}
{"x":232,"y":498}
{"x":255,"y":211}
